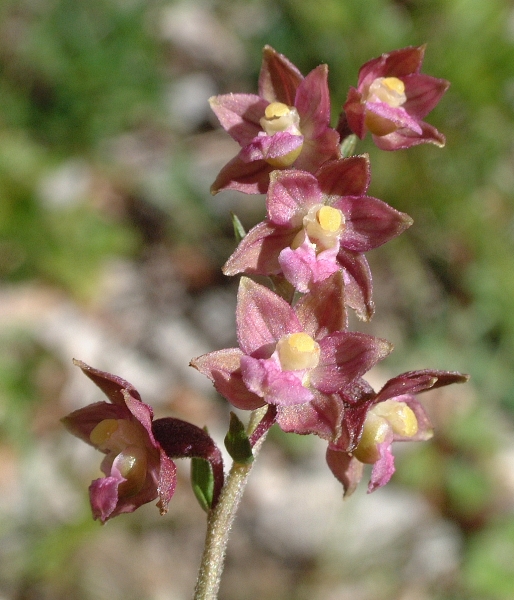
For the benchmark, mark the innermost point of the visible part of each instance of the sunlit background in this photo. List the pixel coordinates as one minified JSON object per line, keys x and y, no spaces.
{"x":110,"y":252}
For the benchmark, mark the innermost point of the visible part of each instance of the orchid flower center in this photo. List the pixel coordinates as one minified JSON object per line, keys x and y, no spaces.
{"x":297,"y":352}
{"x":391,"y":91}
{"x":280,"y":117}
{"x":131,"y":463}
{"x":323,"y":225}
{"x":125,"y":440}
{"x":381,"y":420}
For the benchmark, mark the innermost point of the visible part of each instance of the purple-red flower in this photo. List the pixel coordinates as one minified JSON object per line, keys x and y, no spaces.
{"x":285,"y":125}
{"x":373,"y":421}
{"x":318,"y":224}
{"x":296,"y":358}
{"x":137,"y":467}
{"x":392,"y":98}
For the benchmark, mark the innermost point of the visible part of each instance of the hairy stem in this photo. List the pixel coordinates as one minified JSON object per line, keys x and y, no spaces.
{"x":219,"y":523}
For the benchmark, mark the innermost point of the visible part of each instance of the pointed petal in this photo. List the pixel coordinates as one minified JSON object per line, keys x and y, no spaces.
{"x":167,"y":482}
{"x":262,"y":319}
{"x":355,"y":112}
{"x":346,"y":356}
{"x":405,"y":138}
{"x":257,"y":253}
{"x":322,"y":311}
{"x":347,"y":470}
{"x":291,"y":193}
{"x":246,"y":177}
{"x":405,"y":61}
{"x":358,"y":284}
{"x":369,"y":222}
{"x":111,"y":385}
{"x":313,"y":102}
{"x":223,"y":369}
{"x":398,"y":63}
{"x":423,"y":93}
{"x":239,"y":115}
{"x":344,"y":177}
{"x":414,"y":382}
{"x":279,"y":78}
{"x":322,"y":417}
{"x":141,"y":412}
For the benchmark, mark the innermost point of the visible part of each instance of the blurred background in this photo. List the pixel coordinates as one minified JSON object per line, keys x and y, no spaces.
{"x":110,"y":252}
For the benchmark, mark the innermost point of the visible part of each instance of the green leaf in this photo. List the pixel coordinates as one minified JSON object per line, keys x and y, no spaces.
{"x":239,"y":230}
{"x":237,"y":442}
{"x":202,"y":480}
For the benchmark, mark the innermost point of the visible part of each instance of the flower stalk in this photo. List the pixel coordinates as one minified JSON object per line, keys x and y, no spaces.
{"x":219,"y":524}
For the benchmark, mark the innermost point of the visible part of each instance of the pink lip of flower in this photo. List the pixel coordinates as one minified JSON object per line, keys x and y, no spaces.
{"x":391,"y":99}
{"x":288,"y":356}
{"x":137,"y":467}
{"x":372,"y":421}
{"x":293,"y":241}
{"x":286,"y":124}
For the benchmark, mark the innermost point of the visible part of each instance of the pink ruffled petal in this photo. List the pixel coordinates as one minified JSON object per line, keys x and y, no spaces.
{"x":397,"y":115}
{"x":266,"y":147}
{"x":303,"y":267}
{"x":103,"y":496}
{"x":265,"y":378}
{"x":383,"y":469}
{"x":405,"y":138}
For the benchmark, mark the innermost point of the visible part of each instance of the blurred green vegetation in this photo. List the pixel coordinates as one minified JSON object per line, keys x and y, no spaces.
{"x":76,"y":76}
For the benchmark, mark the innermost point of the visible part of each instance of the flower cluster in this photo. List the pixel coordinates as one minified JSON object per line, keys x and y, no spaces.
{"x":296,"y":355}
{"x":295,"y":351}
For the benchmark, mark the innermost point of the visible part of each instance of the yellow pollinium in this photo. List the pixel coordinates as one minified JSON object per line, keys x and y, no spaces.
{"x":374,"y":432}
{"x":301,"y":342}
{"x":380,"y":420}
{"x":298,"y":351}
{"x":276,"y":110}
{"x":394,"y":84}
{"x":330,"y":219}
{"x":390,"y":90}
{"x":400,"y":416}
